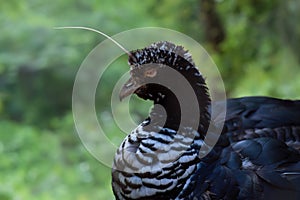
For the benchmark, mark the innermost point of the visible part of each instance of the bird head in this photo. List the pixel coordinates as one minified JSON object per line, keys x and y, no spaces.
{"x":153,"y":71}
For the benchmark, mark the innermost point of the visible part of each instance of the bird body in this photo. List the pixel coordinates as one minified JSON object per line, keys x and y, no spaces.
{"x":256,"y":157}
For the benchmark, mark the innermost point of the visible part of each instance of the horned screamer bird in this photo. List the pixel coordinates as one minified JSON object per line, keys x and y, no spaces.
{"x":256,"y":157}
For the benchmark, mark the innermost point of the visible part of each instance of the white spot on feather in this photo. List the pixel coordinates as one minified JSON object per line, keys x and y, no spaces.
{"x":247,"y":164}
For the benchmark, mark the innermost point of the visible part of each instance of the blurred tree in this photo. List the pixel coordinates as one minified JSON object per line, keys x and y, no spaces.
{"x":214,"y":31}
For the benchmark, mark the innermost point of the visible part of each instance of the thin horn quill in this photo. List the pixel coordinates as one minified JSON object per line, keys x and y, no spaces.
{"x":101,"y":33}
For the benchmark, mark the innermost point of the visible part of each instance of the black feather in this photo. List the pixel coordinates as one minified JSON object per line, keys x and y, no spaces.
{"x":256,"y":157}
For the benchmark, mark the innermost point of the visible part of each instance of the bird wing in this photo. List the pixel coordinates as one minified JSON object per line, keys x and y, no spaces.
{"x":261,"y":158}
{"x":275,"y":165}
{"x":254,"y":117}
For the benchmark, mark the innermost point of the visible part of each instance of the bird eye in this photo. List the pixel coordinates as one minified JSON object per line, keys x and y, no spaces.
{"x":150,"y":73}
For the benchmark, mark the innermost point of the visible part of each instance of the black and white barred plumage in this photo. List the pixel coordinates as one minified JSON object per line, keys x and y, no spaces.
{"x":256,"y":157}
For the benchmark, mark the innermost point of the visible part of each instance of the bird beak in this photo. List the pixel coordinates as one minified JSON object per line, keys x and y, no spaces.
{"x":128,"y":88}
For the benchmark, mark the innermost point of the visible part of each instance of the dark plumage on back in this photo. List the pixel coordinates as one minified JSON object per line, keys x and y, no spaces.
{"x":256,"y":157}
{"x":252,"y":117}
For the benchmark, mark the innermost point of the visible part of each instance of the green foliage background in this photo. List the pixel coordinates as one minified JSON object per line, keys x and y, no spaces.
{"x":41,"y":156}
